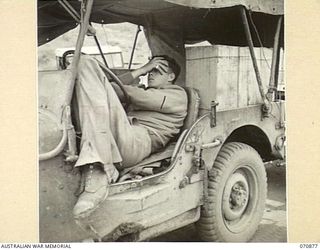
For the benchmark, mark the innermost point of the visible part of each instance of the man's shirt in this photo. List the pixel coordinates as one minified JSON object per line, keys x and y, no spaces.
{"x":160,"y":110}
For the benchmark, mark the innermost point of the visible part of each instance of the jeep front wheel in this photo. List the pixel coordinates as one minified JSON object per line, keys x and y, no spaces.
{"x":237,"y":189}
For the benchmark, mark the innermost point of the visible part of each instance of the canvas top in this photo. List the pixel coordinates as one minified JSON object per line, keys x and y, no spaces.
{"x":217,"y":21}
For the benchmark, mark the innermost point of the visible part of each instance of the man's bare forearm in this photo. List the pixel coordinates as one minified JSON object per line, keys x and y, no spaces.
{"x":138,"y":72}
{"x":157,"y":62}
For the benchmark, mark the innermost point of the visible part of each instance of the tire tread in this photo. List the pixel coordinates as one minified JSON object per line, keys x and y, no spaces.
{"x":207,"y":224}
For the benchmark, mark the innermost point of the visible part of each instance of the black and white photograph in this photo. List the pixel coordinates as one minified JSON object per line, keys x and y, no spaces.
{"x":161,"y":121}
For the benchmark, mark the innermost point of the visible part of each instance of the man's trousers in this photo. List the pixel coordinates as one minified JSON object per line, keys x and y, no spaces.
{"x":107,"y":135}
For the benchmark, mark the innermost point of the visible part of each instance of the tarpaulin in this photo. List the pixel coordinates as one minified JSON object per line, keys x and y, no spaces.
{"x":217,"y":21}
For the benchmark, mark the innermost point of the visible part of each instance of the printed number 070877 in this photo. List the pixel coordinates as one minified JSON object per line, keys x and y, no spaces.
{"x":308,"y":245}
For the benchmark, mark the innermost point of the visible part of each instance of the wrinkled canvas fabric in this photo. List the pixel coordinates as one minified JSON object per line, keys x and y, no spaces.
{"x":168,"y":42}
{"x":191,"y":17}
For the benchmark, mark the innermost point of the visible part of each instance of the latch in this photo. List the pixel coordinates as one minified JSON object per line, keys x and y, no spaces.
{"x":280,"y":142}
{"x":196,"y":163}
{"x":213,"y":114}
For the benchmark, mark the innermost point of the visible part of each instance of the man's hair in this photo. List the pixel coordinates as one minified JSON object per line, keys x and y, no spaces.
{"x":173,"y":65}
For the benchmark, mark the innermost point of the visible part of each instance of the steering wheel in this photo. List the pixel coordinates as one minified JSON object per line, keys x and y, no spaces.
{"x":117,"y":81}
{"x":64,"y":58}
{"x":105,"y":70}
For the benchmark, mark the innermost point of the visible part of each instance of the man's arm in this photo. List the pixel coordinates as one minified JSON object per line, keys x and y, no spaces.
{"x":161,"y":100}
{"x":157,"y":62}
{"x":128,"y":77}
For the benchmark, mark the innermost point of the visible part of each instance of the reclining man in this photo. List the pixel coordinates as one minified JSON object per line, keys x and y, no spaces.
{"x":110,"y":137}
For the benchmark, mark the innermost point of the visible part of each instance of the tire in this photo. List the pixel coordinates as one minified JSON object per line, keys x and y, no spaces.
{"x":237,"y":190}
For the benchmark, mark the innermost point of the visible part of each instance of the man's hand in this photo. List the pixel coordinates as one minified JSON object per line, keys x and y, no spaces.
{"x":158,"y":63}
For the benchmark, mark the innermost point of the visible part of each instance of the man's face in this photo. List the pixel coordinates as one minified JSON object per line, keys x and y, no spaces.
{"x":157,"y":78}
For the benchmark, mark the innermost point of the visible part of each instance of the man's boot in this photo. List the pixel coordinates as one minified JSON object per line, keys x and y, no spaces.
{"x":96,"y":190}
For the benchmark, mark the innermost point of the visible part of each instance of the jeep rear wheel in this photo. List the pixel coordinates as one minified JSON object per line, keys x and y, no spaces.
{"x":237,"y":190}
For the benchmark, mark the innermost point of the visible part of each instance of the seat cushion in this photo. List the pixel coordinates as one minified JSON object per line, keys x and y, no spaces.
{"x":146,"y":166}
{"x":193,"y":107}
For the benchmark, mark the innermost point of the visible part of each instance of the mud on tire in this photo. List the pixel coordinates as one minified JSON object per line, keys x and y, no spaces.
{"x":237,"y":190}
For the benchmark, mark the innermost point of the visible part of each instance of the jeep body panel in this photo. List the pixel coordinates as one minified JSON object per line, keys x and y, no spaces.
{"x":138,"y":207}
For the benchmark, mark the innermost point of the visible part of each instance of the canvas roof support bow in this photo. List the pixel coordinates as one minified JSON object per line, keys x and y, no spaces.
{"x":266,"y":104}
{"x":68,"y":7}
{"x":71,"y":154}
{"x":86,"y":8}
{"x":275,"y":62}
{"x":91,"y":31}
{"x":134,"y":45}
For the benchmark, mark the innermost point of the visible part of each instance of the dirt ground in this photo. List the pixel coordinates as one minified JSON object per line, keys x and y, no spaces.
{"x":273,"y":227}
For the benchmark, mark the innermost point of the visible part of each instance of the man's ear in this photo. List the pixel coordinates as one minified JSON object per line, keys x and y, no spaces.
{"x":171,"y":77}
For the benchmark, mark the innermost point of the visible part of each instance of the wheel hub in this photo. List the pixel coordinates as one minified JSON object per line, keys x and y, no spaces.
{"x":236,"y":196}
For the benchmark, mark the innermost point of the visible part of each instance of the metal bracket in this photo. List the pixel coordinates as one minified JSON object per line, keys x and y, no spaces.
{"x":196,"y":163}
{"x":205,"y":187}
{"x":280,"y":125}
{"x":71,"y":153}
{"x":280,"y":142}
{"x":213,"y":114}
{"x":281,"y":164}
{"x":213,"y":144}
{"x":265,"y":108}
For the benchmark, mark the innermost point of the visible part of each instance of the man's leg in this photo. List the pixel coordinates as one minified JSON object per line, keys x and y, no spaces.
{"x":97,"y":142}
{"x":107,"y":136}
